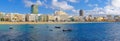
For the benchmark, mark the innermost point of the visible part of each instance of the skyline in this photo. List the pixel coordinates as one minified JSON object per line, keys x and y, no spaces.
{"x":69,"y":6}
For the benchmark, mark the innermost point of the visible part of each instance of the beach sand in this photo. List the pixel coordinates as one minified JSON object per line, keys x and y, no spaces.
{"x":37,"y":22}
{"x":50,"y":22}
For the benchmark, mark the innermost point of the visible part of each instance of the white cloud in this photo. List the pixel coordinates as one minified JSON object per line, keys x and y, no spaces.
{"x":92,"y":5}
{"x":62,"y":5}
{"x":115,"y":3}
{"x":95,"y":11}
{"x":112,"y":10}
{"x":86,"y":1}
{"x":28,"y":3}
{"x":72,"y":0}
{"x":38,"y":2}
{"x":112,"y":7}
{"x":55,"y":4}
{"x":75,"y":11}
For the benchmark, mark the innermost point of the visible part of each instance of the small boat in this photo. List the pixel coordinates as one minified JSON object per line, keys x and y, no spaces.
{"x":51,"y":30}
{"x":57,"y":27}
{"x":11,"y":27}
{"x":31,"y":27}
{"x":67,"y":30}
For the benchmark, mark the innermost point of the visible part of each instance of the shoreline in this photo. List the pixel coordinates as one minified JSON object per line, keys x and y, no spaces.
{"x":49,"y":22}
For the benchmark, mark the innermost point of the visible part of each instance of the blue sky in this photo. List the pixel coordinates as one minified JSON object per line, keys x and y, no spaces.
{"x":50,"y":6}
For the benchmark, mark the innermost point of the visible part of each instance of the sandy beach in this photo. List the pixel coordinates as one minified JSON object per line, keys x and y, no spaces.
{"x":48,"y":22}
{"x":37,"y":22}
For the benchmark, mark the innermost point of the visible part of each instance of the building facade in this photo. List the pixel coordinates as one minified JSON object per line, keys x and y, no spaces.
{"x":17,"y":17}
{"x":117,"y":18}
{"x":2,"y":16}
{"x":81,"y":12}
{"x":61,"y":16}
{"x":34,"y":9}
{"x":110,"y":18}
{"x":43,"y":18}
{"x":8,"y":17}
{"x":31,"y":18}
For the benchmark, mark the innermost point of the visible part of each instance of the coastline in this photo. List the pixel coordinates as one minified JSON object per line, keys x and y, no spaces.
{"x":37,"y":22}
{"x":49,"y":22}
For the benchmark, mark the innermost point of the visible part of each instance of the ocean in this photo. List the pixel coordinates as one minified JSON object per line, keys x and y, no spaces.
{"x":61,"y":32}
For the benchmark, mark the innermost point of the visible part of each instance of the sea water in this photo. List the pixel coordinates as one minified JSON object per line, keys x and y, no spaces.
{"x":48,"y":32}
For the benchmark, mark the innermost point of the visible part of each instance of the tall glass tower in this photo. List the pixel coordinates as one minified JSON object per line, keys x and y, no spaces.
{"x":81,"y":13}
{"x":34,"y":9}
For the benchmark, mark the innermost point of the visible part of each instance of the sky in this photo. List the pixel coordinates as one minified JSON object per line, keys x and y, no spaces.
{"x":72,"y":7}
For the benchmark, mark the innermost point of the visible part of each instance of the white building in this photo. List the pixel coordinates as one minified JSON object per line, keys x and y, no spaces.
{"x":89,"y":18}
{"x":110,"y":18}
{"x":117,"y":18}
{"x":32,"y":17}
{"x":14,"y":17}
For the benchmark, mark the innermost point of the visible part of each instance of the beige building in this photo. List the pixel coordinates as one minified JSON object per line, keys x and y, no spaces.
{"x":43,"y":18}
{"x":77,"y":19}
{"x":32,"y":17}
{"x":51,"y":18}
{"x":7,"y":17}
{"x":46,"y":18}
{"x":2,"y":16}
{"x":14,"y":17}
{"x":17,"y":17}
{"x":89,"y":18}
{"x":61,"y":16}
{"x":100,"y":19}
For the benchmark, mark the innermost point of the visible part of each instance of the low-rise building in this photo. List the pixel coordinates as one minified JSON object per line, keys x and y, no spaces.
{"x":77,"y":19}
{"x":100,"y":19}
{"x":7,"y":17}
{"x":51,"y":18}
{"x":89,"y":18}
{"x":61,"y":16}
{"x":43,"y":18}
{"x":2,"y":16}
{"x":31,"y":17}
{"x":110,"y":18}
{"x":16,"y":17}
{"x":117,"y":18}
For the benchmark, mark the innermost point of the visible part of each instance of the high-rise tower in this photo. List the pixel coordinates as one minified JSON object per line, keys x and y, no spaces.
{"x":81,"y":13}
{"x":34,"y":9}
